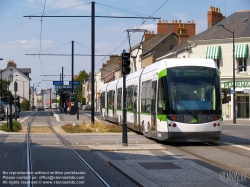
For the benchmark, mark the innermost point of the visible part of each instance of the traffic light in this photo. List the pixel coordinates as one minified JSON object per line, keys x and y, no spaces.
{"x":125,"y":63}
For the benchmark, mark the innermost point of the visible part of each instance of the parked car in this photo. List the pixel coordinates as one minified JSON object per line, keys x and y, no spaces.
{"x":40,"y":108}
{"x":86,"y":107}
{"x":7,"y":106}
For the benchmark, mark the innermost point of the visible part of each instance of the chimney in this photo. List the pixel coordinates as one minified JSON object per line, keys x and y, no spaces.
{"x":148,"y":35}
{"x":214,"y":16}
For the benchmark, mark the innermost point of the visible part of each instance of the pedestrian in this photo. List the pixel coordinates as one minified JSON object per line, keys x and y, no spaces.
{"x":65,"y":107}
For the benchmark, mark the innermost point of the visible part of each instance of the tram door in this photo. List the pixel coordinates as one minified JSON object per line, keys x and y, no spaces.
{"x":135,"y":100}
{"x":243,"y":105}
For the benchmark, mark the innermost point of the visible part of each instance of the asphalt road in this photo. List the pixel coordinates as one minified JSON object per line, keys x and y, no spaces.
{"x":50,"y":155}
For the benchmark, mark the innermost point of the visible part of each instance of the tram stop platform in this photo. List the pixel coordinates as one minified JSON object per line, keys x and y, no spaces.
{"x":151,"y":165}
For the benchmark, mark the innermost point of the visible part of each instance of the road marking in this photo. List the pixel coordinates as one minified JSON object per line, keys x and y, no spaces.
{"x":25,"y":118}
{"x":235,"y":145}
{"x":90,"y":116}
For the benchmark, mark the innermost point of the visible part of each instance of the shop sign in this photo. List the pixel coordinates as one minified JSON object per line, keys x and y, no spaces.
{"x":246,"y":91}
{"x":238,"y":84}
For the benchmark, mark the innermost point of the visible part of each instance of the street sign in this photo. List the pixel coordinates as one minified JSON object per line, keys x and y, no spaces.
{"x":75,"y":82}
{"x":57,"y":82}
{"x":232,"y":91}
{"x":246,"y":91}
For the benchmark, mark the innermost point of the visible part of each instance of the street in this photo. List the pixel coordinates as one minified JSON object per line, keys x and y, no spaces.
{"x":103,"y":152}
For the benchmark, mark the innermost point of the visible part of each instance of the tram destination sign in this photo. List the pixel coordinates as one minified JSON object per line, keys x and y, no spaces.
{"x":246,"y":91}
{"x":190,"y":73}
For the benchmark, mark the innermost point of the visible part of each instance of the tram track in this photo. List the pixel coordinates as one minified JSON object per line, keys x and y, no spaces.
{"x":65,"y":143}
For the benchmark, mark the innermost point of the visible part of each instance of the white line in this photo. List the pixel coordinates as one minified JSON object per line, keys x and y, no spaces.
{"x":25,"y":118}
{"x":90,"y":116}
{"x":235,"y":145}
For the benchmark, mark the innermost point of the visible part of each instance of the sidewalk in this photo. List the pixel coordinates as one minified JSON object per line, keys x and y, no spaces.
{"x":153,"y":166}
{"x":71,"y":118}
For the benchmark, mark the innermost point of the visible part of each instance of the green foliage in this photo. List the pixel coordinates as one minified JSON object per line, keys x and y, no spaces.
{"x":55,"y":101}
{"x":81,"y":77}
{"x":83,"y":101}
{"x":15,"y":125}
{"x":5,"y":86}
{"x":25,"y":105}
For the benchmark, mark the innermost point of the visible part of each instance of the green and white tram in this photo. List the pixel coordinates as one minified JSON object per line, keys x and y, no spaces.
{"x":168,"y":100}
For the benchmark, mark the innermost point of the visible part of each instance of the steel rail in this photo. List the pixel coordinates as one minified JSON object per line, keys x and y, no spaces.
{"x":65,"y":142}
{"x":28,"y":152}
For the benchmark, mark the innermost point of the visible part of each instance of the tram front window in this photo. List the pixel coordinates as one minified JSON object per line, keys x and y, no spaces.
{"x":194,"y":89}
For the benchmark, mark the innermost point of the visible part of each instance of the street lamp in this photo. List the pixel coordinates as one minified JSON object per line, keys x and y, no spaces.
{"x":233,"y":91}
{"x":34,"y":94}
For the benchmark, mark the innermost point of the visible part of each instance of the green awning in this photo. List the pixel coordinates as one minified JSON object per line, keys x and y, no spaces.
{"x":213,"y":52}
{"x":241,"y":51}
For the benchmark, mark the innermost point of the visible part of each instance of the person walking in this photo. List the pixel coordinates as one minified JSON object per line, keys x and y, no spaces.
{"x":65,"y":107}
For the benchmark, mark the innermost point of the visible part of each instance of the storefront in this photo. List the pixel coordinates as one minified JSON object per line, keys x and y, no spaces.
{"x":242,"y":89}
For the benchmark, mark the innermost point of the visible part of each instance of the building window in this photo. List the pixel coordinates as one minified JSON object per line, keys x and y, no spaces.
{"x":242,"y":62}
{"x":172,"y":47}
{"x":217,"y":61}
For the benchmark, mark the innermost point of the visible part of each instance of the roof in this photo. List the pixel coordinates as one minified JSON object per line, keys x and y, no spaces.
{"x":25,"y":70}
{"x":238,"y":22}
{"x":158,"y":42}
{"x":181,"y":46}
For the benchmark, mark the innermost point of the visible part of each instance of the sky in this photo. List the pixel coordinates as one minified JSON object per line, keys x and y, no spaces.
{"x":21,"y":35}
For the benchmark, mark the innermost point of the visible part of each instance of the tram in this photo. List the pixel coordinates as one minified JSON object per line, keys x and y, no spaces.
{"x":169,"y":100}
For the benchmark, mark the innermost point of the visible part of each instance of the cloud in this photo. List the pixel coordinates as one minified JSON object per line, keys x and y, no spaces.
{"x":53,"y":5}
{"x":143,"y":4}
{"x":74,"y":4}
{"x":201,"y":25}
{"x":25,"y":44}
{"x":150,"y":27}
{"x":181,"y":16}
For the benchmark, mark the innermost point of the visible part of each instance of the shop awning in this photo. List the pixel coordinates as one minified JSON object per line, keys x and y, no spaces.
{"x":213,"y":52}
{"x":241,"y":51}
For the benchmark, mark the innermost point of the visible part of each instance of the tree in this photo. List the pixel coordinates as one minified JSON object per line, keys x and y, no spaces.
{"x":81,"y":77}
{"x":5,"y":86}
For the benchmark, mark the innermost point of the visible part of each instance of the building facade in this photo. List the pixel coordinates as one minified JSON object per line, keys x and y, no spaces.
{"x":218,"y":42}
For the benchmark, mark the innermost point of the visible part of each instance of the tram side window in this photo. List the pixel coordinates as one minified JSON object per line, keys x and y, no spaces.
{"x":129,"y":98}
{"x":153,"y":97}
{"x":113,"y":98}
{"x":103,"y":100}
{"x":110,"y":99}
{"x":146,"y":96}
{"x":135,"y":98}
{"x":143,"y":97}
{"x":162,"y":96}
{"x":119,"y":98}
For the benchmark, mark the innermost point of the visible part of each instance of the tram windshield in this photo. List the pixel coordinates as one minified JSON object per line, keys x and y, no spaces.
{"x":191,"y":89}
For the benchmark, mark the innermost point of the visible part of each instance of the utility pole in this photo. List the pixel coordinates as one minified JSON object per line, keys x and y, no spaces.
{"x":15,"y":90}
{"x":92,"y":61}
{"x":125,"y":70}
{"x":72,"y":70}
